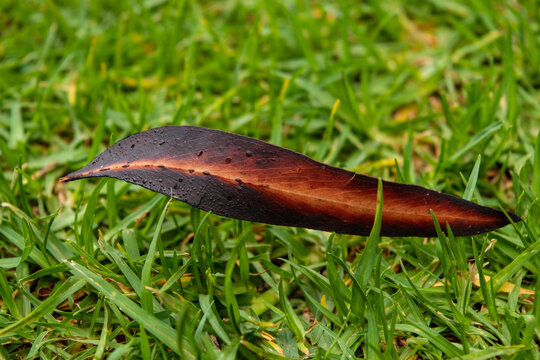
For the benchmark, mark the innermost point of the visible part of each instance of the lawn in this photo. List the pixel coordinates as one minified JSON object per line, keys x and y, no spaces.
{"x":442,"y":94}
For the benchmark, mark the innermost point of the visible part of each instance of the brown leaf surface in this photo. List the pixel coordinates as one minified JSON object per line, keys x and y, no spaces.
{"x":248,"y":179}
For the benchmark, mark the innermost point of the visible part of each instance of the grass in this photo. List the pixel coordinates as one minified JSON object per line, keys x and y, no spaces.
{"x":440,"y":94}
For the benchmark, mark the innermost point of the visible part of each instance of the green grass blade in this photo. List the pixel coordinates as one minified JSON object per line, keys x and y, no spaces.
{"x":125,"y":222}
{"x":7,"y":296}
{"x":230,"y":298}
{"x":477,"y":139}
{"x":293,"y":322}
{"x":158,"y":328}
{"x":104,"y":335}
{"x":363,"y":273}
{"x":146,"y":295}
{"x":471,"y":184}
{"x":494,"y":352}
{"x":60,"y":293}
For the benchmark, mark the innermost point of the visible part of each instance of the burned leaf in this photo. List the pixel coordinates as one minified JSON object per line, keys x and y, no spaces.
{"x":248,"y":179}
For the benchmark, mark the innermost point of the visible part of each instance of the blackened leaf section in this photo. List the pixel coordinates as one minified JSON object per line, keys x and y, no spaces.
{"x":248,"y":179}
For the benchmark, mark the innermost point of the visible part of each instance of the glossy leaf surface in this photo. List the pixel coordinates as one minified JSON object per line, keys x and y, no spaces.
{"x":249,"y":179}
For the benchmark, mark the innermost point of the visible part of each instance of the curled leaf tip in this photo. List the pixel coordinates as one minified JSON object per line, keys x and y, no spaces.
{"x":248,"y":179}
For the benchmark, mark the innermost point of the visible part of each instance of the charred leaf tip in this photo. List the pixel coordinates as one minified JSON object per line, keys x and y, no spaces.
{"x":69,"y":177}
{"x":515,"y":218}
